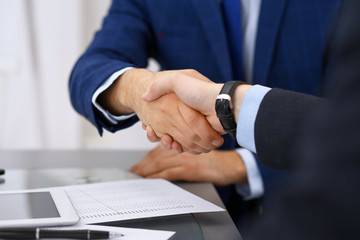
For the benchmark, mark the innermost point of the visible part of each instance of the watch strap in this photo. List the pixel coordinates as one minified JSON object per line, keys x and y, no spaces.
{"x":223,"y":107}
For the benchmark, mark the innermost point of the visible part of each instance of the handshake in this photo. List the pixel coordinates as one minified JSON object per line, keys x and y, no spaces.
{"x":176,"y":107}
{"x":179,"y":109}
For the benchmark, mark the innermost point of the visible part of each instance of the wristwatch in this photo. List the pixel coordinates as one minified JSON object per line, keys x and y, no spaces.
{"x":223,"y":107}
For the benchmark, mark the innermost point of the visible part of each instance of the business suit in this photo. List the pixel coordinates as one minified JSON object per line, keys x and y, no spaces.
{"x":325,"y":205}
{"x":274,"y":141}
{"x":190,"y":34}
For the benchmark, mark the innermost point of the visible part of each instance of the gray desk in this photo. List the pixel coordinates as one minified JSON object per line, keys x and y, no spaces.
{"x":34,"y":169}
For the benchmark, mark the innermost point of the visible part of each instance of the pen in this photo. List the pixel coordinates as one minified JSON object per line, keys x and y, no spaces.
{"x":37,"y":233}
{"x":2,"y":172}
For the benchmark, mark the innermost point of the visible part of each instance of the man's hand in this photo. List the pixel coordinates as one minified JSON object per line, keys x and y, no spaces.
{"x":218,"y":167}
{"x":167,"y":115}
{"x":196,"y":93}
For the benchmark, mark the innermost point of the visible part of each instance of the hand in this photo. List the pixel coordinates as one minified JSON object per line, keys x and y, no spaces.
{"x":168,"y":115}
{"x":218,"y":167}
{"x":198,"y":94}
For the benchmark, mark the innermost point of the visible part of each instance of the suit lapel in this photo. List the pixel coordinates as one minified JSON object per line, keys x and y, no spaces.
{"x":270,"y":19}
{"x":210,"y":15}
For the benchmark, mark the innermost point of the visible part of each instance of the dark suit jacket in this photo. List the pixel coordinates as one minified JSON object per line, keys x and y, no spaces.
{"x":323,"y":202}
{"x":189,"y":34}
{"x":279,"y":123}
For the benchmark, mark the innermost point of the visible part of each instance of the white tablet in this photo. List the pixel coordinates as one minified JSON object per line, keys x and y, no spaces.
{"x":36,"y":208}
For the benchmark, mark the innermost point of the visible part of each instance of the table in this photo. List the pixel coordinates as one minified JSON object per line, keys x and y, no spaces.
{"x":34,"y":169}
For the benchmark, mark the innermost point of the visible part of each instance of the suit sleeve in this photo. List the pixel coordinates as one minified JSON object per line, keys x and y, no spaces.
{"x":123,"y":41}
{"x":278,"y":123}
{"x":323,"y":201}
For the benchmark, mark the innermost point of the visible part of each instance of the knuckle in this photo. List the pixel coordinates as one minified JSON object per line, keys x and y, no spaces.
{"x":193,"y":137}
{"x":157,"y":164}
{"x":206,"y":150}
{"x":168,"y":175}
{"x":209,"y":133}
{"x":162,"y":107}
{"x":194,"y":120}
{"x":189,"y":145}
{"x":193,"y":150}
{"x":176,"y":74}
{"x":191,"y":166}
{"x":192,"y":72}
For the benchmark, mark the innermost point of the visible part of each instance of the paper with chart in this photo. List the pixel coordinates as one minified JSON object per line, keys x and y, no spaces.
{"x":128,"y":233}
{"x":133,"y":199}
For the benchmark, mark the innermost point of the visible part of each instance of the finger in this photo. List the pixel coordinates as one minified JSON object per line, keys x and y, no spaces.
{"x":195,"y":74}
{"x":170,"y":84}
{"x":144,"y":126}
{"x":154,"y":167}
{"x":148,"y":159}
{"x":194,"y":152}
{"x":138,"y":168}
{"x":173,"y":174}
{"x":182,"y":132}
{"x":176,"y":147}
{"x":202,"y":134}
{"x":182,"y":144}
{"x":134,"y":168}
{"x":158,"y":89}
{"x":151,"y":135}
{"x":170,"y":121}
{"x":166,"y":142}
{"x":154,"y":163}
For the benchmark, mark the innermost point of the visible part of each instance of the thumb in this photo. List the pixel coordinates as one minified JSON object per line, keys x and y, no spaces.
{"x":158,"y":89}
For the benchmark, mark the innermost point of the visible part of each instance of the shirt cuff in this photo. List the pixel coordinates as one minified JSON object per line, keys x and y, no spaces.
{"x":245,"y":132}
{"x":255,"y":186}
{"x":111,"y":118}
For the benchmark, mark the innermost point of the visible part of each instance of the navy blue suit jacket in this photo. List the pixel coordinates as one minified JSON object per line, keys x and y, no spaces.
{"x":189,"y":34}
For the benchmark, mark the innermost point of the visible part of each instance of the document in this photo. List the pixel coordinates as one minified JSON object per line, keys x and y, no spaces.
{"x":133,"y":199}
{"x":128,"y":233}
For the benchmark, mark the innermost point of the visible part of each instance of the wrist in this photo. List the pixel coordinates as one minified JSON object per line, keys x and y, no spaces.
{"x":211,"y":112}
{"x":122,"y":97}
{"x":134,"y":83}
{"x":238,"y":98}
{"x":232,"y":164}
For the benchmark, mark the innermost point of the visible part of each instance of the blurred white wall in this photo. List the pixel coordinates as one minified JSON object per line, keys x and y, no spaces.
{"x":40,"y":42}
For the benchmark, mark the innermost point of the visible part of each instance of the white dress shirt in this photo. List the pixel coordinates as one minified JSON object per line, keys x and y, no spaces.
{"x":250,"y":16}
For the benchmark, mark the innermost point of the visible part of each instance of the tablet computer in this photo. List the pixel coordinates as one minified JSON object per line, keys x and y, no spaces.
{"x":36,"y":208}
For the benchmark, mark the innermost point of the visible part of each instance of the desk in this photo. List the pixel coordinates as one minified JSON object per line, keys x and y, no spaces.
{"x":34,"y":169}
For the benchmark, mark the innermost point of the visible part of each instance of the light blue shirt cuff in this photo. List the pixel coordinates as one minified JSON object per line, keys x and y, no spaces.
{"x":245,"y":132}
{"x":111,"y":118}
{"x":255,"y":186}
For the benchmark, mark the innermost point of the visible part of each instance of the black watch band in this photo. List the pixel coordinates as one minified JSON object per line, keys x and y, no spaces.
{"x":223,"y":107}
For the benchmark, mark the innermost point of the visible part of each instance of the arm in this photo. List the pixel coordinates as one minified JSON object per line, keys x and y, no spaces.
{"x":277,"y":121}
{"x":331,"y":148}
{"x":278,"y":126}
{"x":116,"y":46}
{"x":120,"y":45}
{"x":112,"y":119}
{"x":124,"y":97}
{"x":218,"y":167}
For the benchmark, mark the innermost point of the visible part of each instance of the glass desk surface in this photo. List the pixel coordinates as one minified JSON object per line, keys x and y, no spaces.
{"x":39,"y":174}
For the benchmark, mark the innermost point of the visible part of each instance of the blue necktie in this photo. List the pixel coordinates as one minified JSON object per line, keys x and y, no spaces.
{"x":232,"y":20}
